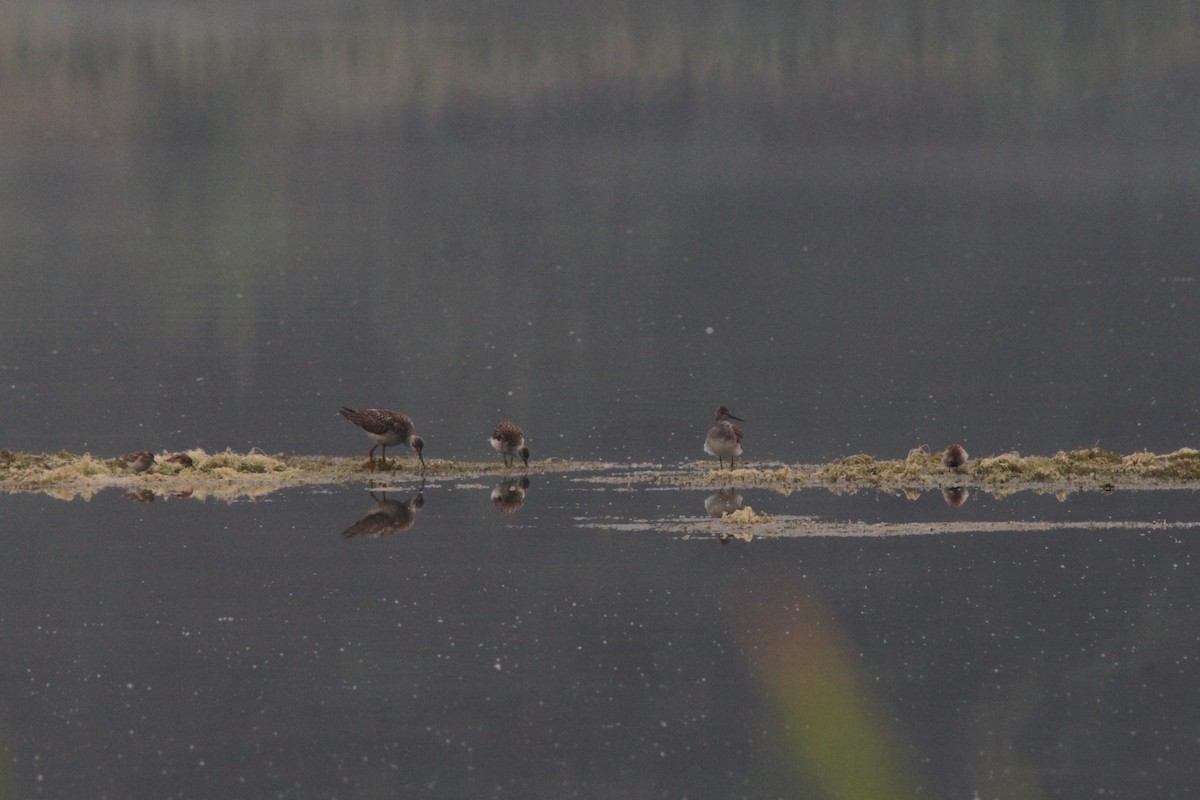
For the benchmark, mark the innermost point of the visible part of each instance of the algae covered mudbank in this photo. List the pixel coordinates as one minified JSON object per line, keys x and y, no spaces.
{"x":227,"y":475}
{"x":1089,"y":468}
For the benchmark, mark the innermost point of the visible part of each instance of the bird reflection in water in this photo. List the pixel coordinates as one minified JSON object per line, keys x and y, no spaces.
{"x":720,"y":503}
{"x":725,"y":501}
{"x":387,"y":517}
{"x":509,"y":495}
{"x":955,"y":496}
{"x":140,"y":495}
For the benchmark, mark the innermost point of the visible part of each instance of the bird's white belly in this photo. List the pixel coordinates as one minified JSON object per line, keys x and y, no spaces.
{"x":503,"y":449}
{"x":386,"y":439}
{"x":721,"y":447}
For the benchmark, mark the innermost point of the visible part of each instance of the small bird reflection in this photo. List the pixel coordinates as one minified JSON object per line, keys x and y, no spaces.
{"x":140,"y":495}
{"x":388,"y":517}
{"x":955,"y":496}
{"x":509,"y":495}
{"x":725,"y":501}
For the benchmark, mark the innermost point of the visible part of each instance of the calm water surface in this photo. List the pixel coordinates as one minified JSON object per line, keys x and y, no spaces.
{"x":188,"y":649}
{"x":861,"y":232}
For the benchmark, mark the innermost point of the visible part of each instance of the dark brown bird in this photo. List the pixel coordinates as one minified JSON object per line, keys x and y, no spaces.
{"x":954,"y":456}
{"x":182,"y":459}
{"x":386,"y":428}
{"x":509,"y":441}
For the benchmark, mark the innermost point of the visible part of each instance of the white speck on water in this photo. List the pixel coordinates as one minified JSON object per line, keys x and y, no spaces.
{"x":709,"y":330}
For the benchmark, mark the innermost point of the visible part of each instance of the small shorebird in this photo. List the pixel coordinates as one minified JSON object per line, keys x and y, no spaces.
{"x":139,"y":461}
{"x":182,"y":459}
{"x":724,"y":438}
{"x":509,"y":442}
{"x":954,"y":456}
{"x":386,"y":428}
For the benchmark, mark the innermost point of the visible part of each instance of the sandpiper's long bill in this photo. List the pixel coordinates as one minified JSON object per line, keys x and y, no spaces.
{"x":724,"y":439}
{"x":386,"y":428}
{"x":509,"y":441}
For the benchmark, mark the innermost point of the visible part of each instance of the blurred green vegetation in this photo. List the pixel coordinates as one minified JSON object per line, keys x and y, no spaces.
{"x":215,"y":70}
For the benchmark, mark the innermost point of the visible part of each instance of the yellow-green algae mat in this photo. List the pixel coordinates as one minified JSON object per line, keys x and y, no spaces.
{"x":234,"y":476}
{"x":1090,"y":469}
{"x":230,"y":475}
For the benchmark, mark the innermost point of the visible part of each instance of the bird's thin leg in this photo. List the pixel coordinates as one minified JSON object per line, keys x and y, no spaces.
{"x":731,"y":460}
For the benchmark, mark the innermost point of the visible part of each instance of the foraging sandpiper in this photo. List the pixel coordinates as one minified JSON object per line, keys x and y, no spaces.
{"x":386,"y":428}
{"x":509,"y":441}
{"x":724,"y":438}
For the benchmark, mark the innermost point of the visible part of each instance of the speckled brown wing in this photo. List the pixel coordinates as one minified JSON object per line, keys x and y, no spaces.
{"x":508,"y":433}
{"x":377,"y":420}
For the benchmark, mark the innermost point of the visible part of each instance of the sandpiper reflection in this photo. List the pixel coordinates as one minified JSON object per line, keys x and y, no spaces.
{"x":509,"y":495}
{"x":387,"y":517}
{"x":955,"y":496}
{"x":725,"y":501}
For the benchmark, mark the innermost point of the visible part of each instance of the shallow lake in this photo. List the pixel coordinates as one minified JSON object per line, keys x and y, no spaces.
{"x":862,"y":232}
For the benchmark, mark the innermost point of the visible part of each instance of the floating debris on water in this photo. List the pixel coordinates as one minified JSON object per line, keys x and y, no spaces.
{"x":746,"y":516}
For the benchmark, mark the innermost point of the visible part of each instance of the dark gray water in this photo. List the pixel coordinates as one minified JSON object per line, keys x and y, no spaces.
{"x":863,"y":229}
{"x":188,"y":649}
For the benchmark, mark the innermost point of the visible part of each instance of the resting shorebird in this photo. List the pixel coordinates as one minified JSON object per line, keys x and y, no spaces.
{"x":954,"y":456}
{"x":509,"y":442}
{"x":139,"y":461}
{"x":386,"y":428}
{"x":724,"y":438}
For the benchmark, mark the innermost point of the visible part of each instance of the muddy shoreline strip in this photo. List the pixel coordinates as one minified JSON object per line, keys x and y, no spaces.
{"x":230,"y":475}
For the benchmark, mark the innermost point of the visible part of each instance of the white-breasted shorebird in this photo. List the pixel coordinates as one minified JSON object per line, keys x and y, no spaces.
{"x":724,"y":439}
{"x":386,"y":428}
{"x":509,"y":441}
